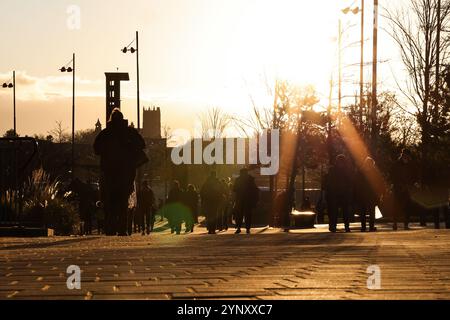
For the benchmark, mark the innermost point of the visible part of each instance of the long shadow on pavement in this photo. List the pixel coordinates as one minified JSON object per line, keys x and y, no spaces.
{"x":47,"y":244}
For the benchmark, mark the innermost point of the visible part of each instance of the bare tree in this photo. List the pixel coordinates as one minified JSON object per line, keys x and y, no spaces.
{"x":405,"y":133}
{"x":59,"y":133}
{"x":167,"y":133}
{"x":284,"y":114}
{"x":260,"y":117}
{"x":214,"y":122}
{"x":415,"y":30}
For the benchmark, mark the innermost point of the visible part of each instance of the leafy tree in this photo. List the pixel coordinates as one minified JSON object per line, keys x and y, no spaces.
{"x":10,"y":134}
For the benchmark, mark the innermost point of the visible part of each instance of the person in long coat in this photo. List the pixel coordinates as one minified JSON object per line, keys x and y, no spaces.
{"x":210,"y":198}
{"x":119,"y":147}
{"x":246,"y":199}
{"x":366,"y":196}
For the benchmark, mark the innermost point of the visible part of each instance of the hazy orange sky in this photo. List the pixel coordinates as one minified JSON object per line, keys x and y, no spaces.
{"x":194,"y":54}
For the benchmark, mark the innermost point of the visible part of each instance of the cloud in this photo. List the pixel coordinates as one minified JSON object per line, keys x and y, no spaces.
{"x":29,"y":87}
{"x":23,"y":79}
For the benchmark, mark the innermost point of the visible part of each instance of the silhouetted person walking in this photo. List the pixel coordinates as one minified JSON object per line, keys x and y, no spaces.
{"x":191,"y":202}
{"x":366,"y":197}
{"x":320,"y":208}
{"x":100,"y":216}
{"x":338,"y":185}
{"x":403,"y":176}
{"x":211,"y":196}
{"x":135,"y":216}
{"x":228,"y":203}
{"x":145,"y":205}
{"x":119,"y":147}
{"x":223,"y":206}
{"x":174,"y":207}
{"x":86,"y":201}
{"x":246,"y":199}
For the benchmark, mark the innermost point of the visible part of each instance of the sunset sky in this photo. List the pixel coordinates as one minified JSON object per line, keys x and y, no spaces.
{"x":194,"y":54}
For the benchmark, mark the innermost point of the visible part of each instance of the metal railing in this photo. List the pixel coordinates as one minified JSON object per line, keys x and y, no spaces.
{"x":16,"y":158}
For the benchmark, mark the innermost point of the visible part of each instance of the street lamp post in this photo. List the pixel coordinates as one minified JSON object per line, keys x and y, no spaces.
{"x":438,"y":46}
{"x":361,"y":74}
{"x":13,"y":86}
{"x":340,"y":74}
{"x":361,"y":69}
{"x":136,"y":50}
{"x":14,"y":102}
{"x":329,"y":124}
{"x":374,"y":73}
{"x":72,"y":70}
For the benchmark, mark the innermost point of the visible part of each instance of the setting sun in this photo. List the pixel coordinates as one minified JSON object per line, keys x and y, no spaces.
{"x":194,"y":55}
{"x":208,"y":150}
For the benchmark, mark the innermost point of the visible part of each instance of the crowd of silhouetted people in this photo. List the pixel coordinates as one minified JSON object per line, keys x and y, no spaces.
{"x":346,"y":189}
{"x":362,"y":189}
{"x":120,"y":148}
{"x":219,"y":200}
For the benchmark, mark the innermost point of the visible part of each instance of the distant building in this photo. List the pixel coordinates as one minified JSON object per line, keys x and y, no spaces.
{"x":98,"y":127}
{"x":152,"y":123}
{"x":113,"y":80}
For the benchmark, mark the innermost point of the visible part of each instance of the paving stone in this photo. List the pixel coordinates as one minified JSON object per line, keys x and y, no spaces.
{"x":269,"y":264}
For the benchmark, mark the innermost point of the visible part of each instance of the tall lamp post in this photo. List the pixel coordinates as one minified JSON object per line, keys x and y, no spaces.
{"x":374,"y":73}
{"x":438,"y":46}
{"x":355,"y":11}
{"x":340,"y":74}
{"x":13,"y":86}
{"x":66,"y":68}
{"x":132,"y":50}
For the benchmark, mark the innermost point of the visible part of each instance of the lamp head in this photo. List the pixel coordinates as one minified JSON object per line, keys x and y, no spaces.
{"x":346,"y":10}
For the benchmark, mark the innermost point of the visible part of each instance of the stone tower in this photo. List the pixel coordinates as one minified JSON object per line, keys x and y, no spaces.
{"x":152,"y":123}
{"x":113,"y":80}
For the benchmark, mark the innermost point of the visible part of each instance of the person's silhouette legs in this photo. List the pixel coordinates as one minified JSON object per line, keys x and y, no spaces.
{"x":332,"y":214}
{"x":362,"y":215}
{"x":239,"y":218}
{"x":248,"y":219}
{"x":346,"y":214}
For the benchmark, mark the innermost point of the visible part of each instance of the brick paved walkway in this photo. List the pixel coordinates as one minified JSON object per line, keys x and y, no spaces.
{"x":269,"y":264}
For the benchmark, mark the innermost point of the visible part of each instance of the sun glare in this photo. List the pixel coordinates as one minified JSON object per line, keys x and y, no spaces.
{"x":288,"y":40}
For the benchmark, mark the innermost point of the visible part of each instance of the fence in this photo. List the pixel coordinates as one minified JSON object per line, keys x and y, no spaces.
{"x":16,"y":159}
